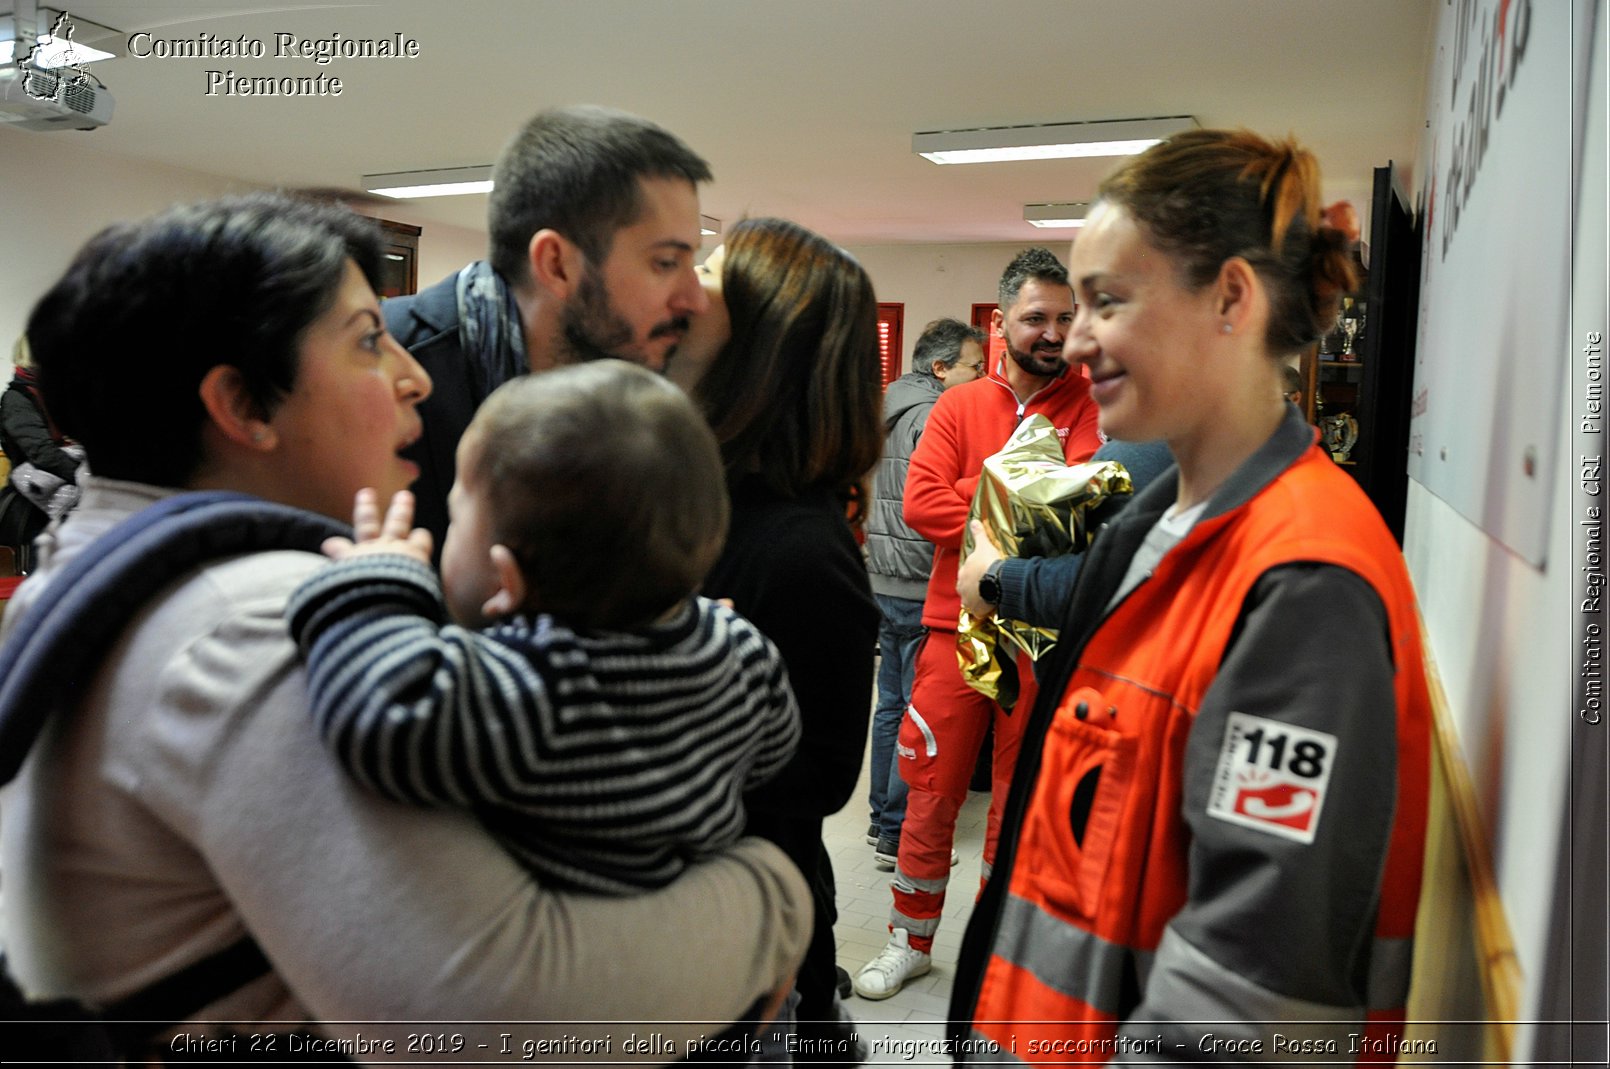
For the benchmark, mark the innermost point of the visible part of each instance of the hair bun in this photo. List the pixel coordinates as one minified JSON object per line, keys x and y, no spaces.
{"x":1331,"y":270}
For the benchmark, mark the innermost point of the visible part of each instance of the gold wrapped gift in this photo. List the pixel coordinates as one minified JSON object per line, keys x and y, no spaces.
{"x":1033,"y":503}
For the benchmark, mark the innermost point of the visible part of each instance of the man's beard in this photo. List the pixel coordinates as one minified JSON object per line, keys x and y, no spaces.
{"x":593,"y":330}
{"x":1041,"y":367}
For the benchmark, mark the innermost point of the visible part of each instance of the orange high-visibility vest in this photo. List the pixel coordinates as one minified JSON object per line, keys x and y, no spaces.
{"x":1091,"y":905}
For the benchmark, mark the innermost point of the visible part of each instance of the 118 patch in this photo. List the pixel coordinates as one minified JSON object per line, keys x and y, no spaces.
{"x":1272,"y":776}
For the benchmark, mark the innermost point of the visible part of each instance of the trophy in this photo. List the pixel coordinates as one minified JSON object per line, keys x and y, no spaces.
{"x":1349,"y":328}
{"x":1340,"y":434}
{"x":1330,"y":343}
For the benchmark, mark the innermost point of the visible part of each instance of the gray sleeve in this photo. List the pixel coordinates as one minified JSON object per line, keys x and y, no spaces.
{"x":1283,"y":887}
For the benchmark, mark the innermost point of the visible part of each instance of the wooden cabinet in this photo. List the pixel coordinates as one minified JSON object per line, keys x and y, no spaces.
{"x":1338,"y":381}
{"x":1339,"y":352}
{"x":399,"y":266}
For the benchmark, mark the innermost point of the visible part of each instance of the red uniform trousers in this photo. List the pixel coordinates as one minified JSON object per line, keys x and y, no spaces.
{"x":939,"y":739}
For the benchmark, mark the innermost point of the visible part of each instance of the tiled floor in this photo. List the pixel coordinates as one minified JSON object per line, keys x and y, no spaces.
{"x":907,"y":1028}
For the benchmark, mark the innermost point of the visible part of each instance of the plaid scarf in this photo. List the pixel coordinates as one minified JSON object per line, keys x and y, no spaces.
{"x":489,"y":327}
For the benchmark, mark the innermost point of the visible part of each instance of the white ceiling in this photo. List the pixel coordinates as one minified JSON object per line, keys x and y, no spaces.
{"x":804,"y":108}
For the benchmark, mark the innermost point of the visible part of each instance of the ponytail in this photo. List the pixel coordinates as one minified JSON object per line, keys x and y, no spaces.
{"x":1205,"y":196}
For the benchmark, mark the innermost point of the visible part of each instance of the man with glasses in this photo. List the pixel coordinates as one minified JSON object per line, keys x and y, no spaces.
{"x":899,"y":559}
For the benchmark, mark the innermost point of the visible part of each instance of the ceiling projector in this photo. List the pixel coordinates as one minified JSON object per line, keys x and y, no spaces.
{"x":61,"y":98}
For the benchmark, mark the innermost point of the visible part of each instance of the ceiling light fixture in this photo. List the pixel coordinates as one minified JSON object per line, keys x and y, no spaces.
{"x":1053,"y":141}
{"x":709,"y":226}
{"x":441,"y":182}
{"x":1054,"y":216}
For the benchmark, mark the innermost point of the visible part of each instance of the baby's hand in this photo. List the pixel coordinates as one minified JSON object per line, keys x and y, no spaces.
{"x":373,"y":535}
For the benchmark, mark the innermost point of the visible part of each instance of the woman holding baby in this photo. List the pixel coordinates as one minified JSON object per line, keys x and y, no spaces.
{"x":178,"y":805}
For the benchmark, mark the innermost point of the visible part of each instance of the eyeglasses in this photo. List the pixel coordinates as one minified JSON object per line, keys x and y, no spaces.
{"x":977,"y":369}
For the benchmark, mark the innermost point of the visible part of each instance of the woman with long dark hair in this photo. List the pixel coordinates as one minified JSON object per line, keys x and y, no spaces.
{"x":791,"y":387}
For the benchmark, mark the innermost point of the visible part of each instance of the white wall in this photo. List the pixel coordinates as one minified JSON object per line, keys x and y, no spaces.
{"x":1500,"y":636}
{"x":940,"y":280}
{"x":56,"y":191}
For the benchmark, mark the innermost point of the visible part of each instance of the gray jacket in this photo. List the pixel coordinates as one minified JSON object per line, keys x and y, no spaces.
{"x":898,"y":558}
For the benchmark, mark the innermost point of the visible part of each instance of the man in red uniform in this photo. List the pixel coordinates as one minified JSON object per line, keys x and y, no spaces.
{"x":946,"y":720}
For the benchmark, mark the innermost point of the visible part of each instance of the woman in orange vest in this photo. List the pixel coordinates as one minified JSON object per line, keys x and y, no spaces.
{"x":1213,"y":841}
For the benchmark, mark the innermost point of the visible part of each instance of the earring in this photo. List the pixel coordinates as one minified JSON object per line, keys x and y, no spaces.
{"x":1227,"y":328}
{"x":258,"y":435}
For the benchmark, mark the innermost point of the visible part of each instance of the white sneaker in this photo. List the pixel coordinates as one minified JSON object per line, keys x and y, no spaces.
{"x":896,"y":963}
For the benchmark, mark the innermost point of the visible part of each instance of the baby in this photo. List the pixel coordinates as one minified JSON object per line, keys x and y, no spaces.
{"x":597,"y":716}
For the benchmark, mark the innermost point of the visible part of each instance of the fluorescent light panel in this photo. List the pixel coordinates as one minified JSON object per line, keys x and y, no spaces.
{"x":1053,"y":141}
{"x":1056,"y":216}
{"x":441,"y":182}
{"x":709,"y":226}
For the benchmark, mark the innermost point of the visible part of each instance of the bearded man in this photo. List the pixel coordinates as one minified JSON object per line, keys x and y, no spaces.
{"x":594,"y":229}
{"x":945,"y":723}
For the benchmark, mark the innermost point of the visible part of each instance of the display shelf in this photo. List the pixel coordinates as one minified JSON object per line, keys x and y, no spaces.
{"x":1377,"y":329}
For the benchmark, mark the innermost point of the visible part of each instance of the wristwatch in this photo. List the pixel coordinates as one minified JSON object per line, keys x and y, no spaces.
{"x":989,"y":584}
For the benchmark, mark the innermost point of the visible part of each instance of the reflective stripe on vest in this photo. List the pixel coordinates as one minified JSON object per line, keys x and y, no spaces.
{"x":1067,"y":959}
